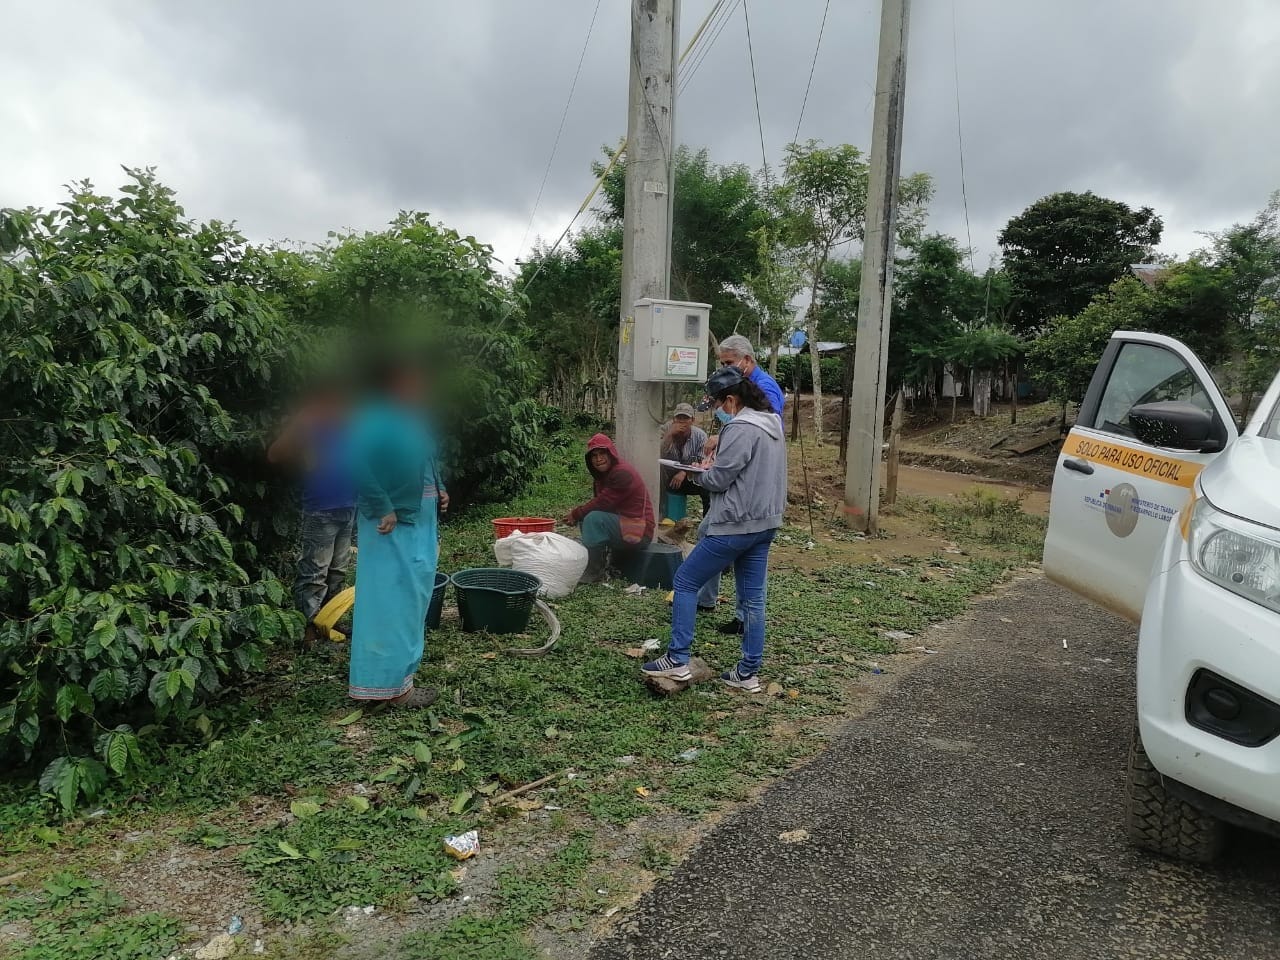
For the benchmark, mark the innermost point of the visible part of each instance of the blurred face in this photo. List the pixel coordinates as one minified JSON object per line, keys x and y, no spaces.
{"x":406,"y":386}
{"x":728,"y":358}
{"x":682,"y":424}
{"x":599,"y":460}
{"x":326,"y":404}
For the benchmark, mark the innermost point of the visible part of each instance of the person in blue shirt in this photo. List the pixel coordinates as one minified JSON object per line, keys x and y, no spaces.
{"x":736,"y":351}
{"x":394,"y":453}
{"x":315,"y":439}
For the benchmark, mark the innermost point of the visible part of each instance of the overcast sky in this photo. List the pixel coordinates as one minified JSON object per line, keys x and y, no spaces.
{"x":295,"y":117}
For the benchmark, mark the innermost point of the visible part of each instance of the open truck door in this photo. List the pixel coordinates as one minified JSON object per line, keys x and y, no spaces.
{"x":1150,"y":421}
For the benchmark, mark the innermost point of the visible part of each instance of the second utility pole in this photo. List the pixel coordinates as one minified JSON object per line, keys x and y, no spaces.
{"x":646,"y":223}
{"x":871,"y":355}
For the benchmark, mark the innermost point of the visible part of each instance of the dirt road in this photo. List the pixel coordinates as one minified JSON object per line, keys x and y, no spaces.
{"x":973,"y":813}
{"x":922,"y":482}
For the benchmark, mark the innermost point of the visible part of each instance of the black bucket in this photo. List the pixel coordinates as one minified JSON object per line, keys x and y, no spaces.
{"x":495,"y":599}
{"x":436,"y":607}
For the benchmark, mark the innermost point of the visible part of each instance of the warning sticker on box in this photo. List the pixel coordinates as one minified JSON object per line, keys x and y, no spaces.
{"x":683,"y":361}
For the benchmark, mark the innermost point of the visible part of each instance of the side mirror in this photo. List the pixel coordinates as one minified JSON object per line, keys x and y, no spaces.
{"x":1176,"y":425}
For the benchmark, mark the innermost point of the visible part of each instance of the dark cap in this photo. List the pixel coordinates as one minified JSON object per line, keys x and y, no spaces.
{"x":720,"y":383}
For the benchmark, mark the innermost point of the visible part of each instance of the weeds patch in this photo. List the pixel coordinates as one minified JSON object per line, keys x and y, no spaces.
{"x":74,"y":918}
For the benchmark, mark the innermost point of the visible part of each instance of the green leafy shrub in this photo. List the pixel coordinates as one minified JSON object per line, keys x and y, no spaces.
{"x":494,"y":430}
{"x":138,"y":529}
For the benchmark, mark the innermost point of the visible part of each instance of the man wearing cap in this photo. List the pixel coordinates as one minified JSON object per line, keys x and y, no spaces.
{"x":682,"y":441}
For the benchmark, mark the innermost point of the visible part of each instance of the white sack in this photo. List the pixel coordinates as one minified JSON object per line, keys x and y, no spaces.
{"x":555,"y":560}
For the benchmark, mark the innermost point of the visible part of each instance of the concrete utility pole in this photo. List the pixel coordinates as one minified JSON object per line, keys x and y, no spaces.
{"x":646,"y":225}
{"x":871,"y":357}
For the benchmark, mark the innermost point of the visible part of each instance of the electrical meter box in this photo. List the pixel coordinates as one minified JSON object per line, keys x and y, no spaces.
{"x":671,"y":340}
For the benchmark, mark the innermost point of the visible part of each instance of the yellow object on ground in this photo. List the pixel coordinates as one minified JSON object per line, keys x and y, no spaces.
{"x":333,"y":611}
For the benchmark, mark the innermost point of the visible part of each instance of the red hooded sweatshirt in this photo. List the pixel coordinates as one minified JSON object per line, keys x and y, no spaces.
{"x":620,"y":490}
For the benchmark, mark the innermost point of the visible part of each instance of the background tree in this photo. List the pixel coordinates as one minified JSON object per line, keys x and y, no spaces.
{"x":982,"y":349}
{"x":823,"y":197}
{"x":933,"y":296}
{"x":838,"y":294}
{"x":1194,"y":301}
{"x":839,"y":290}
{"x":1216,"y":302}
{"x":570,"y":319}
{"x":1068,"y":247}
{"x":1253,"y":368}
{"x":1064,"y":356}
{"x":717,"y":209}
{"x":1248,"y":257}
{"x":770,"y":289}
{"x":996,"y":293}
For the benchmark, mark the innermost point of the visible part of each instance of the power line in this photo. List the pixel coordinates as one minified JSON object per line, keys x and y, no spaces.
{"x":964,"y":192}
{"x":697,"y":50}
{"x":702,"y":41}
{"x":563,"y":116}
{"x":696,"y":40}
{"x":713,"y":36}
{"x":812,"y":66}
{"x":755,"y":89}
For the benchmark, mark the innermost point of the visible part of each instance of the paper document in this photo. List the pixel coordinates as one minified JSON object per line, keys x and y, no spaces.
{"x":677,"y":465}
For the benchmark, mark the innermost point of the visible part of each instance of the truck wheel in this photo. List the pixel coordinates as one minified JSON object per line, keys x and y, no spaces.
{"x":1158,"y":821}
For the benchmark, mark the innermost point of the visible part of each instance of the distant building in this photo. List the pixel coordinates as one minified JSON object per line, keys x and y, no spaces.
{"x":1149,"y":273}
{"x":826,"y":348}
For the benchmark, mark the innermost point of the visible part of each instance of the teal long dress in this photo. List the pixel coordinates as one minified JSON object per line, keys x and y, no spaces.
{"x":394,"y":455}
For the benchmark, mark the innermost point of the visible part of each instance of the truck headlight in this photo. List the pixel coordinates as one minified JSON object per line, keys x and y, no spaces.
{"x":1240,"y":556}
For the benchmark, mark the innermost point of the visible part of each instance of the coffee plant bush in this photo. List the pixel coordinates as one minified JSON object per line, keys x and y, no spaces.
{"x":140,"y":536}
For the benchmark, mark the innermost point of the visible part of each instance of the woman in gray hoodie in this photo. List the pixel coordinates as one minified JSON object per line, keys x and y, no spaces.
{"x":748,"y":485}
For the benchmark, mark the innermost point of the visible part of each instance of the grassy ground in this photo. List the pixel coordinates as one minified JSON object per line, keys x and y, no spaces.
{"x":320,"y":828}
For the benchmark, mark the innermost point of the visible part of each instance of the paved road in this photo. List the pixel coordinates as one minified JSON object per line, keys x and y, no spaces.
{"x":973,"y":813}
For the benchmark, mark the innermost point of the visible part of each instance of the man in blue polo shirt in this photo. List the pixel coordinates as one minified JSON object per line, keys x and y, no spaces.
{"x":315,"y":440}
{"x":736,"y":351}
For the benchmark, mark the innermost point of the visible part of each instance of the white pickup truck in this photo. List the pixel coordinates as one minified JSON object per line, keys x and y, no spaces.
{"x":1164,"y":512}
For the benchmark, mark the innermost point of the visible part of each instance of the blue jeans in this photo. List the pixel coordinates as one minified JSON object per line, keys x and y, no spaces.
{"x":326,"y":551}
{"x":709,"y":595}
{"x":749,"y":554}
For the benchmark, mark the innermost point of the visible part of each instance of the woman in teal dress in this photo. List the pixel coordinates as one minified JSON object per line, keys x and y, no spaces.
{"x":394,"y":464}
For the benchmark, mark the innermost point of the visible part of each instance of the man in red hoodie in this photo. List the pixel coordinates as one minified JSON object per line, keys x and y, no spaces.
{"x":619,"y":514}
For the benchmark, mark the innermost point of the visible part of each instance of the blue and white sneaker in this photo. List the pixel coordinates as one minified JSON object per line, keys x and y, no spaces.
{"x":664,"y":666}
{"x":735,"y":678}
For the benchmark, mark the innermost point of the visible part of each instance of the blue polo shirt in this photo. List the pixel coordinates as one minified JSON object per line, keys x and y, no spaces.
{"x":327,"y":484}
{"x":769,"y":387}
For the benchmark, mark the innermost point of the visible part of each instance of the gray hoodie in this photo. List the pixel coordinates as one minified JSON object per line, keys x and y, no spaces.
{"x":748,"y":482}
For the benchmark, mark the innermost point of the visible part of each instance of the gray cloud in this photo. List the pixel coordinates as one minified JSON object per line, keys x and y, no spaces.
{"x":297,"y":117}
